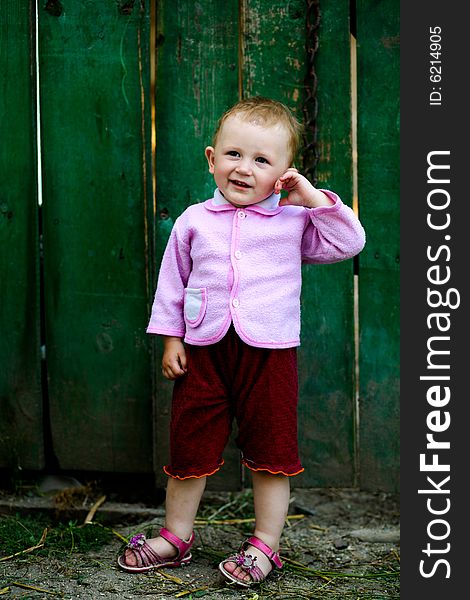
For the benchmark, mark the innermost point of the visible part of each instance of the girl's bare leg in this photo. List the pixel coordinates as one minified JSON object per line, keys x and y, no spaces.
{"x":271,"y":500}
{"x":182,"y":502}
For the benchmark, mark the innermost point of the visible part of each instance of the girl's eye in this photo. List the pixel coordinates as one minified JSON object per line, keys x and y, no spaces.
{"x":232,"y":153}
{"x":262,"y":160}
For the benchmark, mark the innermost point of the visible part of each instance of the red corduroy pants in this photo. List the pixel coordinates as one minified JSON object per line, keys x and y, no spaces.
{"x":227,"y":381}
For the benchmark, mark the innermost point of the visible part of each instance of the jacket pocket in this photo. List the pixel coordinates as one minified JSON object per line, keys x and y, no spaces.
{"x":195,"y":304}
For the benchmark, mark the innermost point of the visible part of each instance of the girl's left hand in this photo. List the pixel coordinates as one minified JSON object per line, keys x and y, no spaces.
{"x":284,"y":180}
{"x":300,"y":191}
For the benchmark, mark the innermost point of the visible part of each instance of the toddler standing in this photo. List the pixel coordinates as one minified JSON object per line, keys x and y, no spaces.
{"x":228,"y":307}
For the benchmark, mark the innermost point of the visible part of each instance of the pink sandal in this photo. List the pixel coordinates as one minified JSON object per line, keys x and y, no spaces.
{"x":147,"y":558}
{"x":247,"y":562}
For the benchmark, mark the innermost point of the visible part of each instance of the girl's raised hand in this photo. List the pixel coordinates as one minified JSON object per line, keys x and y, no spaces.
{"x":282,"y":182}
{"x":300,"y":191}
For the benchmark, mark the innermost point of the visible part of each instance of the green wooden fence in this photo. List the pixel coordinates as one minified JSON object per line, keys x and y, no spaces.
{"x":21,"y":409}
{"x":100,"y":231}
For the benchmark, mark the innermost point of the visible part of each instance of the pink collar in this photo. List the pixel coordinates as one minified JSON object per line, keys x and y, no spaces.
{"x":268,"y":206}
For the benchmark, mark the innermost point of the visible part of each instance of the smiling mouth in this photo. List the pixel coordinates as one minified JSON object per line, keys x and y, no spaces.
{"x":239,"y":183}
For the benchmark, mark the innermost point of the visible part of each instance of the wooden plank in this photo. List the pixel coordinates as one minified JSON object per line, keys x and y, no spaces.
{"x":21,"y":436}
{"x":275,"y":65}
{"x":197,"y":80}
{"x":327,"y":356}
{"x":273,"y":57}
{"x":96,"y":168}
{"x":379,"y":284}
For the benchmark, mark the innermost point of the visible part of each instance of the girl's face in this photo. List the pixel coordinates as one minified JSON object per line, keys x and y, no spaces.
{"x":248,"y":159}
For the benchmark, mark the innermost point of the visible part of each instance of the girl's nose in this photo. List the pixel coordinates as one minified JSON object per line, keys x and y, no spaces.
{"x":244,"y":167}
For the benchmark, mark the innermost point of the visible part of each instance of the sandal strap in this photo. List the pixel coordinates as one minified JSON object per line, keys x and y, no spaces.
{"x":256,"y":574}
{"x":144,"y":554}
{"x":265,"y":549}
{"x":147,"y":555}
{"x":181,"y":545}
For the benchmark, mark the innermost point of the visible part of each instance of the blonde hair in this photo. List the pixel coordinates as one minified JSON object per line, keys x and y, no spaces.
{"x":268,"y":112}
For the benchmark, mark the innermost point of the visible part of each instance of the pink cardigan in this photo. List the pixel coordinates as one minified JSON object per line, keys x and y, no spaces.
{"x":225,"y":264}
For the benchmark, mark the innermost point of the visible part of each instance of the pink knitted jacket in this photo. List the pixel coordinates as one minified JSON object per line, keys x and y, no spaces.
{"x":224,"y":264}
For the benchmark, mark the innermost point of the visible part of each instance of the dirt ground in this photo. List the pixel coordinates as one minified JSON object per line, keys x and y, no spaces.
{"x":336,"y":544}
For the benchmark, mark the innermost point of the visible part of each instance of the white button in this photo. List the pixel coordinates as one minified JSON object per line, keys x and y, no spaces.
{"x":236,"y":302}
{"x":238,"y":254}
{"x":241,"y":214}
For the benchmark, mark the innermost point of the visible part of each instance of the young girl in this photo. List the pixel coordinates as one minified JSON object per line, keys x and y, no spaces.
{"x":228,"y":305}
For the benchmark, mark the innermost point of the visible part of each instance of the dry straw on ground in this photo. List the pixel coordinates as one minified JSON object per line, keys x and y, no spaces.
{"x":337,"y":544}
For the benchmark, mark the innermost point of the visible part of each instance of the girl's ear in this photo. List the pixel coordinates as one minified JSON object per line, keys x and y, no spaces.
{"x":210,"y":152}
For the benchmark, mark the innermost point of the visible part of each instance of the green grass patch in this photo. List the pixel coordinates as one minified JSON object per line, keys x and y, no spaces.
{"x":18,"y":533}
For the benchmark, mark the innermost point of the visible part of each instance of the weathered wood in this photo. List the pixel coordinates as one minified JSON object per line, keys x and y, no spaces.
{"x":379,"y":283}
{"x":96,"y":173}
{"x":104,"y":234}
{"x":21,"y":439}
{"x":327,"y":351}
{"x":197,"y":80}
{"x":273,"y":57}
